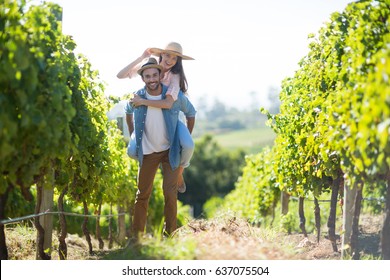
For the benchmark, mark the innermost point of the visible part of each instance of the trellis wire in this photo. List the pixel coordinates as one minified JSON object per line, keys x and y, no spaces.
{"x":19,"y":219}
{"x":382,"y":200}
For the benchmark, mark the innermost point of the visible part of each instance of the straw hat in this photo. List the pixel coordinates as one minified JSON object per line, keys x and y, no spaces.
{"x":151,"y":63}
{"x":172,"y":48}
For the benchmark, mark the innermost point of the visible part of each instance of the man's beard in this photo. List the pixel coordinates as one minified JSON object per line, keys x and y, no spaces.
{"x":152,"y":86}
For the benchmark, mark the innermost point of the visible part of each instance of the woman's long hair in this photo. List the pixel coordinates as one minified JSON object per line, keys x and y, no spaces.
{"x":178,"y":69}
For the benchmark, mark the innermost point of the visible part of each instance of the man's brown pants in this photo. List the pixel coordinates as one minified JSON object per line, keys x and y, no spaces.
{"x":146,"y":176}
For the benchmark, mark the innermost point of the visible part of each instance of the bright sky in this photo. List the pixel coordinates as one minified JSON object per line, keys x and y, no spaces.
{"x":239,"y":46}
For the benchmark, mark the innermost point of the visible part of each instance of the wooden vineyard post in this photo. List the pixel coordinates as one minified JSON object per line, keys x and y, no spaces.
{"x":284,"y":201}
{"x":385,"y":237}
{"x":348,"y":213}
{"x":121,"y":226}
{"x":47,"y":220}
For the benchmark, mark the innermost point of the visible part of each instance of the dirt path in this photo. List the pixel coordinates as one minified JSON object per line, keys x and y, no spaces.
{"x":217,"y":239}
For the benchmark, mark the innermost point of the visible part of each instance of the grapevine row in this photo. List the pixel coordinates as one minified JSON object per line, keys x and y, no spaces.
{"x":334,"y":122}
{"x":54,"y":131}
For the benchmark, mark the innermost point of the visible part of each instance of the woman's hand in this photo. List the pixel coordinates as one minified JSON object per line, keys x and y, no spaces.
{"x":146,"y":53}
{"x":137,"y":101}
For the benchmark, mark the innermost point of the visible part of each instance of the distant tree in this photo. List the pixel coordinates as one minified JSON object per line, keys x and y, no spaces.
{"x":254,"y":102}
{"x":231,"y":124}
{"x":213,"y":172}
{"x":273,"y":98}
{"x":217,"y":110}
{"x":201,"y":108}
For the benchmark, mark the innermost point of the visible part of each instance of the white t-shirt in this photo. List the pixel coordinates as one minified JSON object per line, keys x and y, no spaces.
{"x":155,"y":136}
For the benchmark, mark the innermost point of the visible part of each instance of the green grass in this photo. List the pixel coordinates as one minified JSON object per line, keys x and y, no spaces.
{"x":251,"y":140}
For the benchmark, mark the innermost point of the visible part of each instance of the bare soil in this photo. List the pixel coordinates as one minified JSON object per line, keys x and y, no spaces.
{"x":228,"y":239}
